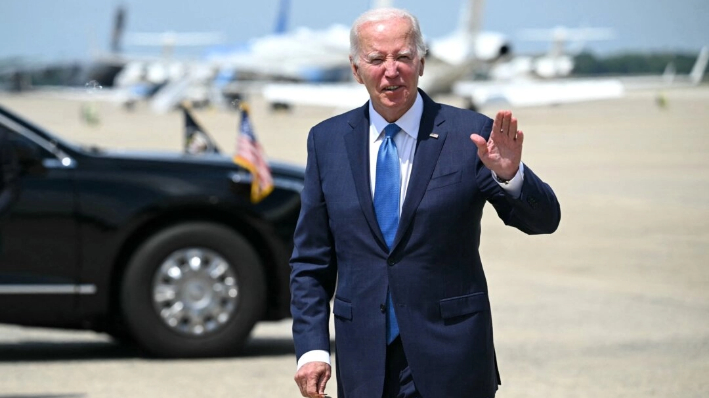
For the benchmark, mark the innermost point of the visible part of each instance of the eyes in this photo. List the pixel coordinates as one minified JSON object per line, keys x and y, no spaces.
{"x":378,"y":60}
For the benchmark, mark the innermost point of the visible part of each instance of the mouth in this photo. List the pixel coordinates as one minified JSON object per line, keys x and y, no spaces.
{"x":391,"y":88}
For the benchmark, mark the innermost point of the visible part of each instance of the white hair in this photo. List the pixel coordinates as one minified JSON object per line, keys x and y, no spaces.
{"x":383,"y":14}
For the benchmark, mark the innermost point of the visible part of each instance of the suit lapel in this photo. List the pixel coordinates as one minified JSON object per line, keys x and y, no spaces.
{"x":427,"y":151}
{"x":357,"y":144}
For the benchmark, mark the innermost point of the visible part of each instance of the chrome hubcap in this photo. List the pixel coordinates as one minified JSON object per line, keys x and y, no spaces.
{"x":195,"y":291}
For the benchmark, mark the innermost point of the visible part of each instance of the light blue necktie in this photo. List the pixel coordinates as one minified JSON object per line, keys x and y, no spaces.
{"x":386,"y":206}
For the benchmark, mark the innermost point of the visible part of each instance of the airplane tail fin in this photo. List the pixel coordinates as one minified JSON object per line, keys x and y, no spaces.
{"x":119,"y":20}
{"x":668,"y":76}
{"x":471,"y":17}
{"x":700,"y":66}
{"x":282,"y":17}
{"x":470,"y":25}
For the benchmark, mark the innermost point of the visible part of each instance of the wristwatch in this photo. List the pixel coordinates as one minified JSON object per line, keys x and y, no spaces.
{"x":500,"y":180}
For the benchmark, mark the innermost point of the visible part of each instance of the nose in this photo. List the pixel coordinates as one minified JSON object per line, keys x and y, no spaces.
{"x":391,"y":68}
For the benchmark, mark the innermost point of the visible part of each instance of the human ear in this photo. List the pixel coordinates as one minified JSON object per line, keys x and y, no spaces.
{"x":355,"y":71}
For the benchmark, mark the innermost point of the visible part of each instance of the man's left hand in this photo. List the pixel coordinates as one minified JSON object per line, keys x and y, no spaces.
{"x":312,"y":378}
{"x":502,"y":153}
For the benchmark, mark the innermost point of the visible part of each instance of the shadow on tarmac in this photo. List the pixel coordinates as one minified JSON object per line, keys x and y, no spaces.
{"x":261,"y":346}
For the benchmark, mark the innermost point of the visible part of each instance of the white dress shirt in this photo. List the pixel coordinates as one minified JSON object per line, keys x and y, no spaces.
{"x":405,"y":142}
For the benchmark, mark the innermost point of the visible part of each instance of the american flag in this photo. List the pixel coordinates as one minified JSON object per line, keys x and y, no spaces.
{"x":250,"y":155}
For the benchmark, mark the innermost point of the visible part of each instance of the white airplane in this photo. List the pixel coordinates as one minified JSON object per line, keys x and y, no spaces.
{"x":461,"y":52}
{"x":530,"y":92}
{"x":557,"y":62}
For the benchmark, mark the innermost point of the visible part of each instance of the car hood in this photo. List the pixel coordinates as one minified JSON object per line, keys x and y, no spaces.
{"x":178,"y":159}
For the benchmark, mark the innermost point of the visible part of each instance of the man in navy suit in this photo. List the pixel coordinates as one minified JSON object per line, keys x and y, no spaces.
{"x":390,"y":226}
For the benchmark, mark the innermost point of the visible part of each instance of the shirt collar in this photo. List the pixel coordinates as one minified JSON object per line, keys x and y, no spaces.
{"x":409,"y":121}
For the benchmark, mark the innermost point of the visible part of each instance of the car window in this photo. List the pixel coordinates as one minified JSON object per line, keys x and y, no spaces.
{"x":15,"y":137}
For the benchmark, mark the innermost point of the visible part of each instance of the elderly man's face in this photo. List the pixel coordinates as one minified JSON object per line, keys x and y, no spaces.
{"x":388,"y":66}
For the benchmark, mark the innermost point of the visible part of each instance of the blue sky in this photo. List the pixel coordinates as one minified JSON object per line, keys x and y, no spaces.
{"x":52,"y":30}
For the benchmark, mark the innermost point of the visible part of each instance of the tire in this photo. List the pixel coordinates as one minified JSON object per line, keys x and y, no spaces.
{"x":193,"y":290}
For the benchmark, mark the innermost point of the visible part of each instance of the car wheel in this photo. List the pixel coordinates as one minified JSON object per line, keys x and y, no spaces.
{"x":193,"y":290}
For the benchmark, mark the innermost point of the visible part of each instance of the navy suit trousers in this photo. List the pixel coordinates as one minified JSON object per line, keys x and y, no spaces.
{"x":398,"y":382}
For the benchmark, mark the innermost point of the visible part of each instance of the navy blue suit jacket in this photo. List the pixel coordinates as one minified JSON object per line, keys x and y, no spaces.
{"x":433,"y":269}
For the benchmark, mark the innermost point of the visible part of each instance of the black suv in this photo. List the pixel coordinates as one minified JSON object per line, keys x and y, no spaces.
{"x":164,"y":249}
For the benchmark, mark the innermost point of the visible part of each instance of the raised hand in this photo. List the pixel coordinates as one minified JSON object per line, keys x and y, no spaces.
{"x":502,"y":152}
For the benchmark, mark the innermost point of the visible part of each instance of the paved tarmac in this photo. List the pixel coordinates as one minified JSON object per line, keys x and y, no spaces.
{"x":614,"y":304}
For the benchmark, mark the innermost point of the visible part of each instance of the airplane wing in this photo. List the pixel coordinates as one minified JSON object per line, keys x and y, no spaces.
{"x":538,"y":93}
{"x":341,"y":95}
{"x":517,"y":94}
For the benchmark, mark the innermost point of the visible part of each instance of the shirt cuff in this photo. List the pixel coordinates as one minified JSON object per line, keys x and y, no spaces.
{"x":513,"y":186}
{"x":314,"y":356}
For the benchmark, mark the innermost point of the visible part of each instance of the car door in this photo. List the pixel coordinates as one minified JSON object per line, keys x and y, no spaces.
{"x":38,"y":234}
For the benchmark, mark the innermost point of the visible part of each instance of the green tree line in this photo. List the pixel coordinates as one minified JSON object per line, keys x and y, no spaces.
{"x":632,"y":63}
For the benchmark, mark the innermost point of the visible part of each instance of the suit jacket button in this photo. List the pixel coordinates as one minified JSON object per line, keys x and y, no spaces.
{"x":391,"y":261}
{"x":383,"y":308}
